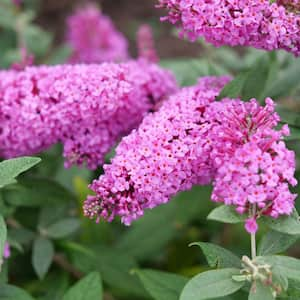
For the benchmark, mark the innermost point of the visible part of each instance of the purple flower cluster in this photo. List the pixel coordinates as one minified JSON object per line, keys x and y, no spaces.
{"x":256,"y":23}
{"x":85,"y":107}
{"x":145,"y":43}
{"x":194,"y":140}
{"x":168,"y":153}
{"x":94,"y":38}
{"x":253,"y":166}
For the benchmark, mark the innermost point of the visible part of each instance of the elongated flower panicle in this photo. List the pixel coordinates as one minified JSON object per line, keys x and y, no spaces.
{"x":6,"y":252}
{"x":168,"y":153}
{"x":145,"y":43}
{"x":94,"y":38}
{"x":254,"y":167}
{"x":192,"y":140}
{"x":85,"y":107}
{"x":256,"y":23}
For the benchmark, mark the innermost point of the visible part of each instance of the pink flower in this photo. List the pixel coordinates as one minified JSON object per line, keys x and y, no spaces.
{"x":168,"y":153}
{"x":94,"y":38}
{"x":255,"y":23}
{"x":85,"y":107}
{"x":145,"y":44}
{"x":251,"y":225}
{"x":255,"y":160}
{"x":6,"y":252}
{"x":194,"y":140}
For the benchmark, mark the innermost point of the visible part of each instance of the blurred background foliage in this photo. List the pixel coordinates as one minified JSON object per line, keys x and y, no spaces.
{"x":53,"y":245}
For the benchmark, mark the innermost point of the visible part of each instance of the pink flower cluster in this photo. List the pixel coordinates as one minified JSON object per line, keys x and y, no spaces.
{"x":145,"y":43}
{"x":168,"y":153}
{"x":194,"y":140}
{"x":253,"y":166}
{"x":94,"y":38}
{"x":85,"y":107}
{"x":256,"y":23}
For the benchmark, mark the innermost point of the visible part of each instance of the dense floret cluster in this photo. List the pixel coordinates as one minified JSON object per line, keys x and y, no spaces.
{"x":168,"y":153}
{"x":94,"y":38}
{"x":253,"y":166}
{"x":256,"y":23}
{"x":194,"y":140}
{"x":85,"y":107}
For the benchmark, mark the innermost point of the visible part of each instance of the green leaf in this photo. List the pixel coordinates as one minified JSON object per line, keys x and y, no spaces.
{"x":258,"y":77}
{"x":36,"y":191}
{"x":55,"y":286}
{"x":62,"y":228}
{"x":287,"y":116}
{"x":52,"y":213}
{"x":42,"y":255}
{"x":162,"y":285}
{"x":218,"y":257}
{"x":90,"y":287}
{"x":10,"y":292}
{"x":295,"y":134}
{"x":253,"y":82}
{"x":59,"y":55}
{"x":275,"y":242}
{"x":234,"y":88}
{"x":280,"y":279}
{"x":160,"y":225}
{"x":33,"y":33}
{"x":287,"y":81}
{"x":288,"y":266}
{"x":286,"y":224}
{"x":260,"y":292}
{"x":187,"y":71}
{"x":10,"y":169}
{"x":115,"y":267}
{"x":3,"y":237}
{"x":211,"y":284}
{"x":294,"y":289}
{"x":226,"y":214}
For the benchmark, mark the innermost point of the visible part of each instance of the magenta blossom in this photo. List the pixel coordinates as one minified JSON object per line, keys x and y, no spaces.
{"x":256,"y":23}
{"x":94,"y":38}
{"x":145,"y":43}
{"x":194,"y":140}
{"x":253,"y":166}
{"x":6,"y":252}
{"x":168,"y":153}
{"x":85,"y":107}
{"x":251,"y":225}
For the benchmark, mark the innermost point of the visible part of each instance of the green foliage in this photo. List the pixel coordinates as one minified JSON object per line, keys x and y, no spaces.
{"x":253,"y":82}
{"x":260,"y":292}
{"x":3,"y":236}
{"x":9,"y":292}
{"x":62,"y":228}
{"x":211,"y":284}
{"x":187,"y":71}
{"x":286,"y":224}
{"x":225,"y":214}
{"x":217,"y":256}
{"x":42,"y":255}
{"x":10,"y":169}
{"x":275,"y":242}
{"x":288,"y":80}
{"x":162,"y":285}
{"x":90,"y":287}
{"x":284,"y":265}
{"x":43,"y":209}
